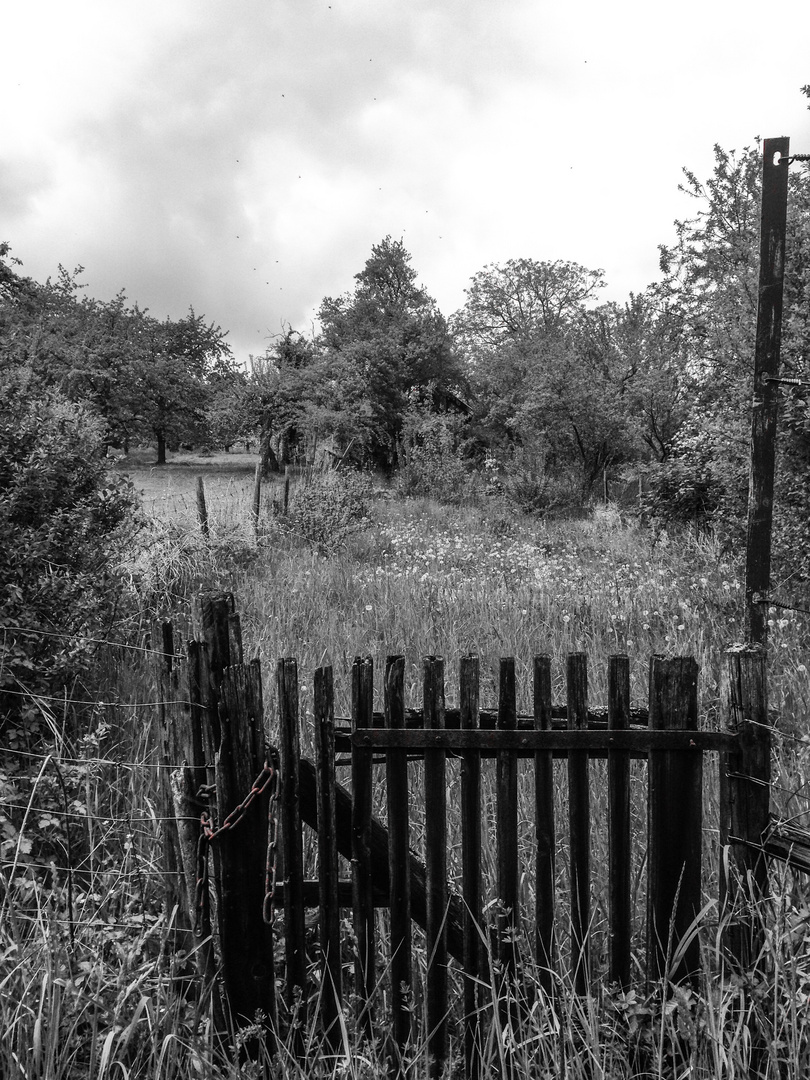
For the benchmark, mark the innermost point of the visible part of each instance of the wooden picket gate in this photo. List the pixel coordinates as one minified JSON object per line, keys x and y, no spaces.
{"x":481,"y":933}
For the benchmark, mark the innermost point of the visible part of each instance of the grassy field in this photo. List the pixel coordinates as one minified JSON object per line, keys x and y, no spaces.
{"x":91,"y":985}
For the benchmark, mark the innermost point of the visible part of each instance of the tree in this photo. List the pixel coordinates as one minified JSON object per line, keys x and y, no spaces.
{"x":521,"y":303}
{"x":711,"y":286}
{"x":547,"y":373}
{"x":280,"y":396}
{"x":143,"y":378}
{"x":180,"y":365}
{"x":375,"y":346}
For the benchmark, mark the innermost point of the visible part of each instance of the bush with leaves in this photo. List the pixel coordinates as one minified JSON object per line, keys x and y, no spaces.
{"x":326,"y":508}
{"x":430,"y":452}
{"x":64,"y":522}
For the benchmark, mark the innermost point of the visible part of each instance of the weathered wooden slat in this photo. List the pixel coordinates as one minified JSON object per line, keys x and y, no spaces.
{"x":247,"y":943}
{"x":469,"y":677}
{"x":675,"y":815}
{"x":379,"y":857}
{"x":619,"y":825}
{"x":506,"y":823}
{"x":544,"y":829}
{"x":579,"y":824}
{"x":745,"y":797}
{"x":331,"y":992}
{"x":638,"y":742}
{"x":362,"y":704}
{"x":398,"y":849}
{"x":291,"y":838}
{"x":235,"y":650}
{"x":436,"y":868}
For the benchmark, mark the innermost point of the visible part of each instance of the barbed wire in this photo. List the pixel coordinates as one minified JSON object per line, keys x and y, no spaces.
{"x":804,"y":740}
{"x":118,"y":874}
{"x":89,"y":701}
{"x":100,"y":760}
{"x":96,"y":923}
{"x":783,"y":607}
{"x":66,"y":635}
{"x":107,"y":819}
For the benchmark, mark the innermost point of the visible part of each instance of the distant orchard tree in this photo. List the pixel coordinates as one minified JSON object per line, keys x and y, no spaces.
{"x":376,"y":345}
{"x":143,"y":378}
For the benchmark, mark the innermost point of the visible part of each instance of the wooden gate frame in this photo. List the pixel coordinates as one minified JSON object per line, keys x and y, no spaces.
{"x":217,"y":730}
{"x":385,"y":873}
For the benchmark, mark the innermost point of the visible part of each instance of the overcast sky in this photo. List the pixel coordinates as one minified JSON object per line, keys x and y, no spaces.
{"x":242,"y":156}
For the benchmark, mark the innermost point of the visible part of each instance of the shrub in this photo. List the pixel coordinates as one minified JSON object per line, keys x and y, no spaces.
{"x":326,"y":508}
{"x":702,"y":486}
{"x":64,"y":522}
{"x":531,"y":487}
{"x":430,"y":458}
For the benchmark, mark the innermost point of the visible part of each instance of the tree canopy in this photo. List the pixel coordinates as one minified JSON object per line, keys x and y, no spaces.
{"x":351,"y":383}
{"x":145,"y":379}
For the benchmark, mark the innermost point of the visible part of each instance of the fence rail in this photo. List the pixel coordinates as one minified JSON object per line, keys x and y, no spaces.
{"x":217,"y":727}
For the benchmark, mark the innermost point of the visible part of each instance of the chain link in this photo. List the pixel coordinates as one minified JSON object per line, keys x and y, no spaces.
{"x":208,"y":835}
{"x":268,"y":908}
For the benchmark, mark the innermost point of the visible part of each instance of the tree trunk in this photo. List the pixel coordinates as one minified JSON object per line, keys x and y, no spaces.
{"x":269,"y":461}
{"x":161,"y":447}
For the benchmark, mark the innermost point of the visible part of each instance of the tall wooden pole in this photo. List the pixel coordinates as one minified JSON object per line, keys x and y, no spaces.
{"x":766,"y":373}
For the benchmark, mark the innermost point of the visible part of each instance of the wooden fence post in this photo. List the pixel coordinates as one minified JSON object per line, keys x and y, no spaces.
{"x":212,"y":617}
{"x":257,"y":498}
{"x":766,"y":387}
{"x":674,"y":835}
{"x":469,"y":675}
{"x":579,"y":824}
{"x":745,"y":777}
{"x":362,"y":879}
{"x":202,"y":509}
{"x":331,"y":991}
{"x":291,"y":843}
{"x":544,"y":829}
{"x":167,"y":666}
{"x":181,"y":723}
{"x":398,"y":851}
{"x":247,"y":941}
{"x":619,"y":824}
{"x":436,"y":870}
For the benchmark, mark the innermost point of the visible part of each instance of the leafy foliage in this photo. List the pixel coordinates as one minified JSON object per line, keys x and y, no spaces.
{"x":711,"y":291}
{"x":430,"y":454}
{"x":144,"y":378}
{"x":63,"y":521}
{"x":327,"y":508}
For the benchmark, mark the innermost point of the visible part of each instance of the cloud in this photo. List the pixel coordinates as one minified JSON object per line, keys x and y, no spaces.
{"x":244,"y":158}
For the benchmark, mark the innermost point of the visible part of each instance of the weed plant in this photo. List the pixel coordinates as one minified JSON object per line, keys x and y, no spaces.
{"x":95,"y":972}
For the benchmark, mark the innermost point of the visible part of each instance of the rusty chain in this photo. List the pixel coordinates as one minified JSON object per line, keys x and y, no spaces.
{"x":208,"y":835}
{"x":268,"y":910}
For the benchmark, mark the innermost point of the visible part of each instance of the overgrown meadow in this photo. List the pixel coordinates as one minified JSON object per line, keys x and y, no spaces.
{"x":93,"y":977}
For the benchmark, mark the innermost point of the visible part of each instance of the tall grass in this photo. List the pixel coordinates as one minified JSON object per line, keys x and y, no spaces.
{"x":95,"y":974}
